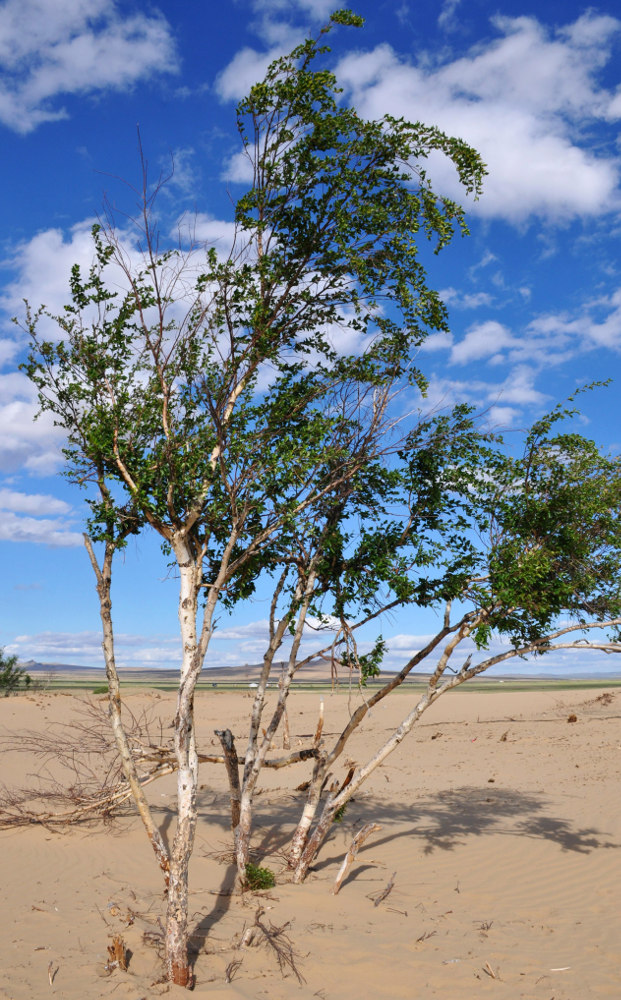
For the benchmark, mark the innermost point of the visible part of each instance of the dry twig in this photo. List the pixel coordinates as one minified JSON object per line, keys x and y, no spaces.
{"x":350,"y":857}
{"x":385,"y":892}
{"x":276,"y":939}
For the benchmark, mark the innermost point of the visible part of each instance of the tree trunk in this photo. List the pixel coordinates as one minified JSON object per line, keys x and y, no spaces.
{"x":313,"y":798}
{"x":103,"y":575}
{"x":231,"y":761}
{"x":256,"y":752}
{"x":176,"y":942}
{"x":356,"y":777}
{"x":314,"y":842}
{"x":177,"y":959}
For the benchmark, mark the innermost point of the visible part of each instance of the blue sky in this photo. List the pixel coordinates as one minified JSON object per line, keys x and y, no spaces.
{"x":534,"y":293}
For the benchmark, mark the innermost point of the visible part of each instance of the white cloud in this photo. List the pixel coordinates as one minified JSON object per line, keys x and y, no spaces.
{"x":244,"y":632}
{"x":446,"y":19}
{"x":49,"y":49}
{"x":596,"y":325}
{"x":29,"y":518}
{"x":518,"y":388}
{"x":437,"y":342}
{"x":9,"y":348}
{"x":214,"y":233}
{"x":85,"y":648}
{"x":523,"y":100}
{"x":500,"y":417}
{"x":180,"y":173}
{"x":238,"y":169}
{"x":41,"y":270}
{"x":247,"y":67}
{"x":42,"y":266}
{"x":482,"y":341}
{"x":32,"y":503}
{"x":549,"y":339}
{"x":465,"y":300}
{"x":518,"y":391}
{"x":203,"y":230}
{"x":409,"y":643}
{"x":41,"y":531}
{"x":33,"y":446}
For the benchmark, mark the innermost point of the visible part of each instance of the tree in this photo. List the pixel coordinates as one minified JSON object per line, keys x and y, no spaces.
{"x":217,"y":403}
{"x":530,"y":558}
{"x":12,"y":677}
{"x":523,"y":552}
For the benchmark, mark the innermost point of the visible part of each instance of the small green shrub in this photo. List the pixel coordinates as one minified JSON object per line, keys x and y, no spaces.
{"x":338,"y":816}
{"x":12,"y":677}
{"x":102,"y":689}
{"x":258,"y":878}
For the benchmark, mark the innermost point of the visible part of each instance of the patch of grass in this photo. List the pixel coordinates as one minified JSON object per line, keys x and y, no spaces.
{"x":102,"y":689}
{"x":258,"y":878}
{"x":338,"y":816}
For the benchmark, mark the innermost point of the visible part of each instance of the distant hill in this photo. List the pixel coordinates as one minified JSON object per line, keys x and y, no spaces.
{"x":317,"y":671}
{"x":246,"y":673}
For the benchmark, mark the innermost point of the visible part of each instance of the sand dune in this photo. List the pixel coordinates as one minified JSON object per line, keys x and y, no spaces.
{"x":500,"y":820}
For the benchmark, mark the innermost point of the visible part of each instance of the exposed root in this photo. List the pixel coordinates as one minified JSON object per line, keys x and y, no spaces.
{"x":277,"y":940}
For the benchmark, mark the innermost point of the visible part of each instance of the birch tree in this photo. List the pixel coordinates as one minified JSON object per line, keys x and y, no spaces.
{"x":530,"y":564}
{"x":519,"y":553}
{"x":215,"y":403}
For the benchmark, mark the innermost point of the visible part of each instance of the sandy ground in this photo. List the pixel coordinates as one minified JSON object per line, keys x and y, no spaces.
{"x":501,"y":822}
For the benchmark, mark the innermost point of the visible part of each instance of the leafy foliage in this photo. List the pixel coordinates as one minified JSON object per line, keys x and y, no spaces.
{"x":258,"y":879}
{"x":224,"y":413}
{"x":12,"y":677}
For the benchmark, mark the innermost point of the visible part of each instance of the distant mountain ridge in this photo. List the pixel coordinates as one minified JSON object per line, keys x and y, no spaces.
{"x":316,"y":671}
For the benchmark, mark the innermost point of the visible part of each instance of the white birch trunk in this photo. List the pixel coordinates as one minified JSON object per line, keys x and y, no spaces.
{"x":177,"y":959}
{"x":300,"y":837}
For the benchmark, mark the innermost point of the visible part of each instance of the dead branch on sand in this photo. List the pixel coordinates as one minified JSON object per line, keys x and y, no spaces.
{"x":93,"y":785}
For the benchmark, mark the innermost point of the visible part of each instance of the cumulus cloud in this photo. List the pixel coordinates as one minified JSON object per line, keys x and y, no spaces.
{"x":482,"y":341}
{"x":213,"y":232}
{"x":85,"y":648}
{"x":33,"y":446}
{"x":596,"y":325}
{"x":41,"y":531}
{"x":48,"y":49}
{"x":247,"y":67}
{"x":500,"y":401}
{"x":238,"y":169}
{"x":40,"y":270}
{"x":36,"y":517}
{"x":465,"y":300}
{"x":522,"y":99}
{"x":239,"y":633}
{"x":32,"y":503}
{"x":557,"y":663}
{"x":42,"y":266}
{"x":549,"y":339}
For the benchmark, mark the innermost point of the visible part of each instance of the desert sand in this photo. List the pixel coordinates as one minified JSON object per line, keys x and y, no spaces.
{"x":501,"y":822}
